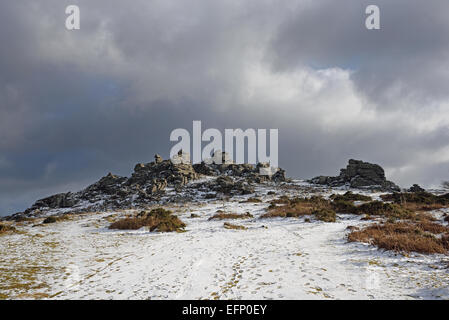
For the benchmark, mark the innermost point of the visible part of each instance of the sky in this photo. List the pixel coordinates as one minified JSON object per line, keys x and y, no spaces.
{"x":75,"y":105}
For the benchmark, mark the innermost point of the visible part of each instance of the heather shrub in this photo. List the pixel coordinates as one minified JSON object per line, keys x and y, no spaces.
{"x":156,"y":220}
{"x":404,"y":237}
{"x":326,"y":215}
{"x":223,"y":216}
{"x":349,"y":196}
{"x":344,"y":206}
{"x":228,"y":225}
{"x":5,"y":228}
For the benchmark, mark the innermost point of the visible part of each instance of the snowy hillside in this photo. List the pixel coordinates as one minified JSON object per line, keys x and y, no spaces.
{"x":274,"y":258}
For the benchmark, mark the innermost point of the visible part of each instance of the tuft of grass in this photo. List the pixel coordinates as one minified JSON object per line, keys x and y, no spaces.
{"x":281,"y":200}
{"x":418,"y":201}
{"x":253,"y":200}
{"x":224,"y":216}
{"x":228,"y":225}
{"x":6,"y":228}
{"x":344,"y":206}
{"x":296,"y":207}
{"x":349,"y":196}
{"x":157,"y":219}
{"x":326,"y":215}
{"x":432,"y":227}
{"x":54,"y":219}
{"x":128,"y":224}
{"x":24,"y":219}
{"x":388,"y":210}
{"x":404,"y":236}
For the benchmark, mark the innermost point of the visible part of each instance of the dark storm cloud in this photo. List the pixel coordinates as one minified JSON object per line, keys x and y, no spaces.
{"x":76,"y":105}
{"x":409,"y":53}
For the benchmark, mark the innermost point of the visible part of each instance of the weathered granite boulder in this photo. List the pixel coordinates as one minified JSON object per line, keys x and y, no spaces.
{"x":110,"y":184}
{"x":61,"y":200}
{"x":359,"y":174}
{"x":158,"y":158}
{"x":157,"y":186}
{"x":253,"y":174}
{"x":165,"y":172}
{"x":228,"y":186}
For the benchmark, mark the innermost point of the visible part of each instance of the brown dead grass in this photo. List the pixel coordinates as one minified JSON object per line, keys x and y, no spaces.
{"x":7,"y":229}
{"x":432,"y":227}
{"x":349,"y":196}
{"x":128,"y":224}
{"x":326,"y":215}
{"x":422,"y":207}
{"x":296,"y":207}
{"x":24,"y":219}
{"x":156,"y":220}
{"x":224,"y":216}
{"x":58,"y":218}
{"x":405,"y":236}
{"x":228,"y":225}
{"x":418,"y":201}
{"x":344,"y":206}
{"x":388,"y":210}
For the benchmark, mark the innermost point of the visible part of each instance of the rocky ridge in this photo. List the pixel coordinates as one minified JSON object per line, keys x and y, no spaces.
{"x":159,"y":181}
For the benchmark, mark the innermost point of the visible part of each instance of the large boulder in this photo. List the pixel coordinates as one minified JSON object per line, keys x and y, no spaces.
{"x":109,"y":184}
{"x":359,"y":174}
{"x":60,"y":200}
{"x":230,"y":186}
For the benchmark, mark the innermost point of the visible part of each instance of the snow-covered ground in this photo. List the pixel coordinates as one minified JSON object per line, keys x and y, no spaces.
{"x":274,"y":259}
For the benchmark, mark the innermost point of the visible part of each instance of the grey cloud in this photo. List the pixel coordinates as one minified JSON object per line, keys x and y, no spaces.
{"x":76,"y":105}
{"x":410,"y":51}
